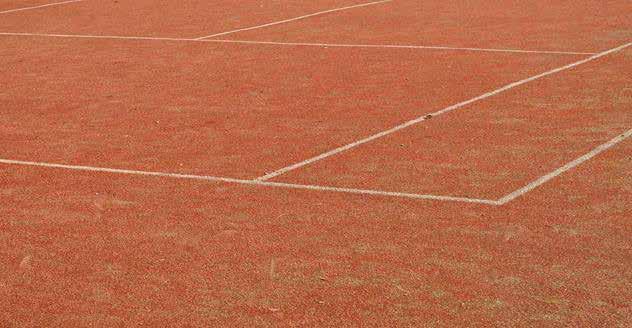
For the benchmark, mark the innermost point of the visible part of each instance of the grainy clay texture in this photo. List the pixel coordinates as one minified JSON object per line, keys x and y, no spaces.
{"x":81,"y":248}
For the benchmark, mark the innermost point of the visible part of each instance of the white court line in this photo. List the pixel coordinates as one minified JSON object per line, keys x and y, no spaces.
{"x":105,"y":37}
{"x":435,"y":114}
{"x":294,"y":19}
{"x":395,"y":46}
{"x":36,"y":7}
{"x":502,"y":201}
{"x":252,"y":182}
{"x":544,"y":179}
{"x":298,"y":44}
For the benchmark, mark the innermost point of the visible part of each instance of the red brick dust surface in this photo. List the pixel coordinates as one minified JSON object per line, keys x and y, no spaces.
{"x":163,"y":18}
{"x":82,"y":248}
{"x":497,"y":145}
{"x":224,"y":109}
{"x":6,"y":5}
{"x":584,"y":25}
{"x":79,"y":249}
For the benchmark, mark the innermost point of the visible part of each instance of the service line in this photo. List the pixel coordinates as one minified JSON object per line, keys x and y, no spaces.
{"x":297,"y":44}
{"x":502,"y":201}
{"x":251,"y":182}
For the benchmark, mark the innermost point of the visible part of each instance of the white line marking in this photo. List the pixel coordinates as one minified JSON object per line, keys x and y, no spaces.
{"x":106,"y":37}
{"x":544,"y":179}
{"x":298,"y":44}
{"x":395,"y":46}
{"x":437,"y":113}
{"x":36,"y":7}
{"x":251,"y":182}
{"x":294,"y":19}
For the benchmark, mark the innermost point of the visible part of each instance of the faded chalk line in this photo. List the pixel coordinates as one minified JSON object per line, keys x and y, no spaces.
{"x":395,"y":46}
{"x":545,"y":178}
{"x":40,"y":6}
{"x":293,"y":19}
{"x":251,"y":182}
{"x":297,"y":44}
{"x":88,"y":36}
{"x":425,"y":117}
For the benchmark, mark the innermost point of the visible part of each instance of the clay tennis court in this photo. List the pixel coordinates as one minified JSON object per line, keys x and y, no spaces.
{"x":315,"y":163}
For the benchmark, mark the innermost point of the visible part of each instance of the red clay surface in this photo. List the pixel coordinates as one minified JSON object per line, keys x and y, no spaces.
{"x":16,"y":4}
{"x":231,"y":110}
{"x":108,"y":250}
{"x":111,"y":250}
{"x":184,"y":19}
{"x":584,"y":25}
{"x":497,"y":145}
